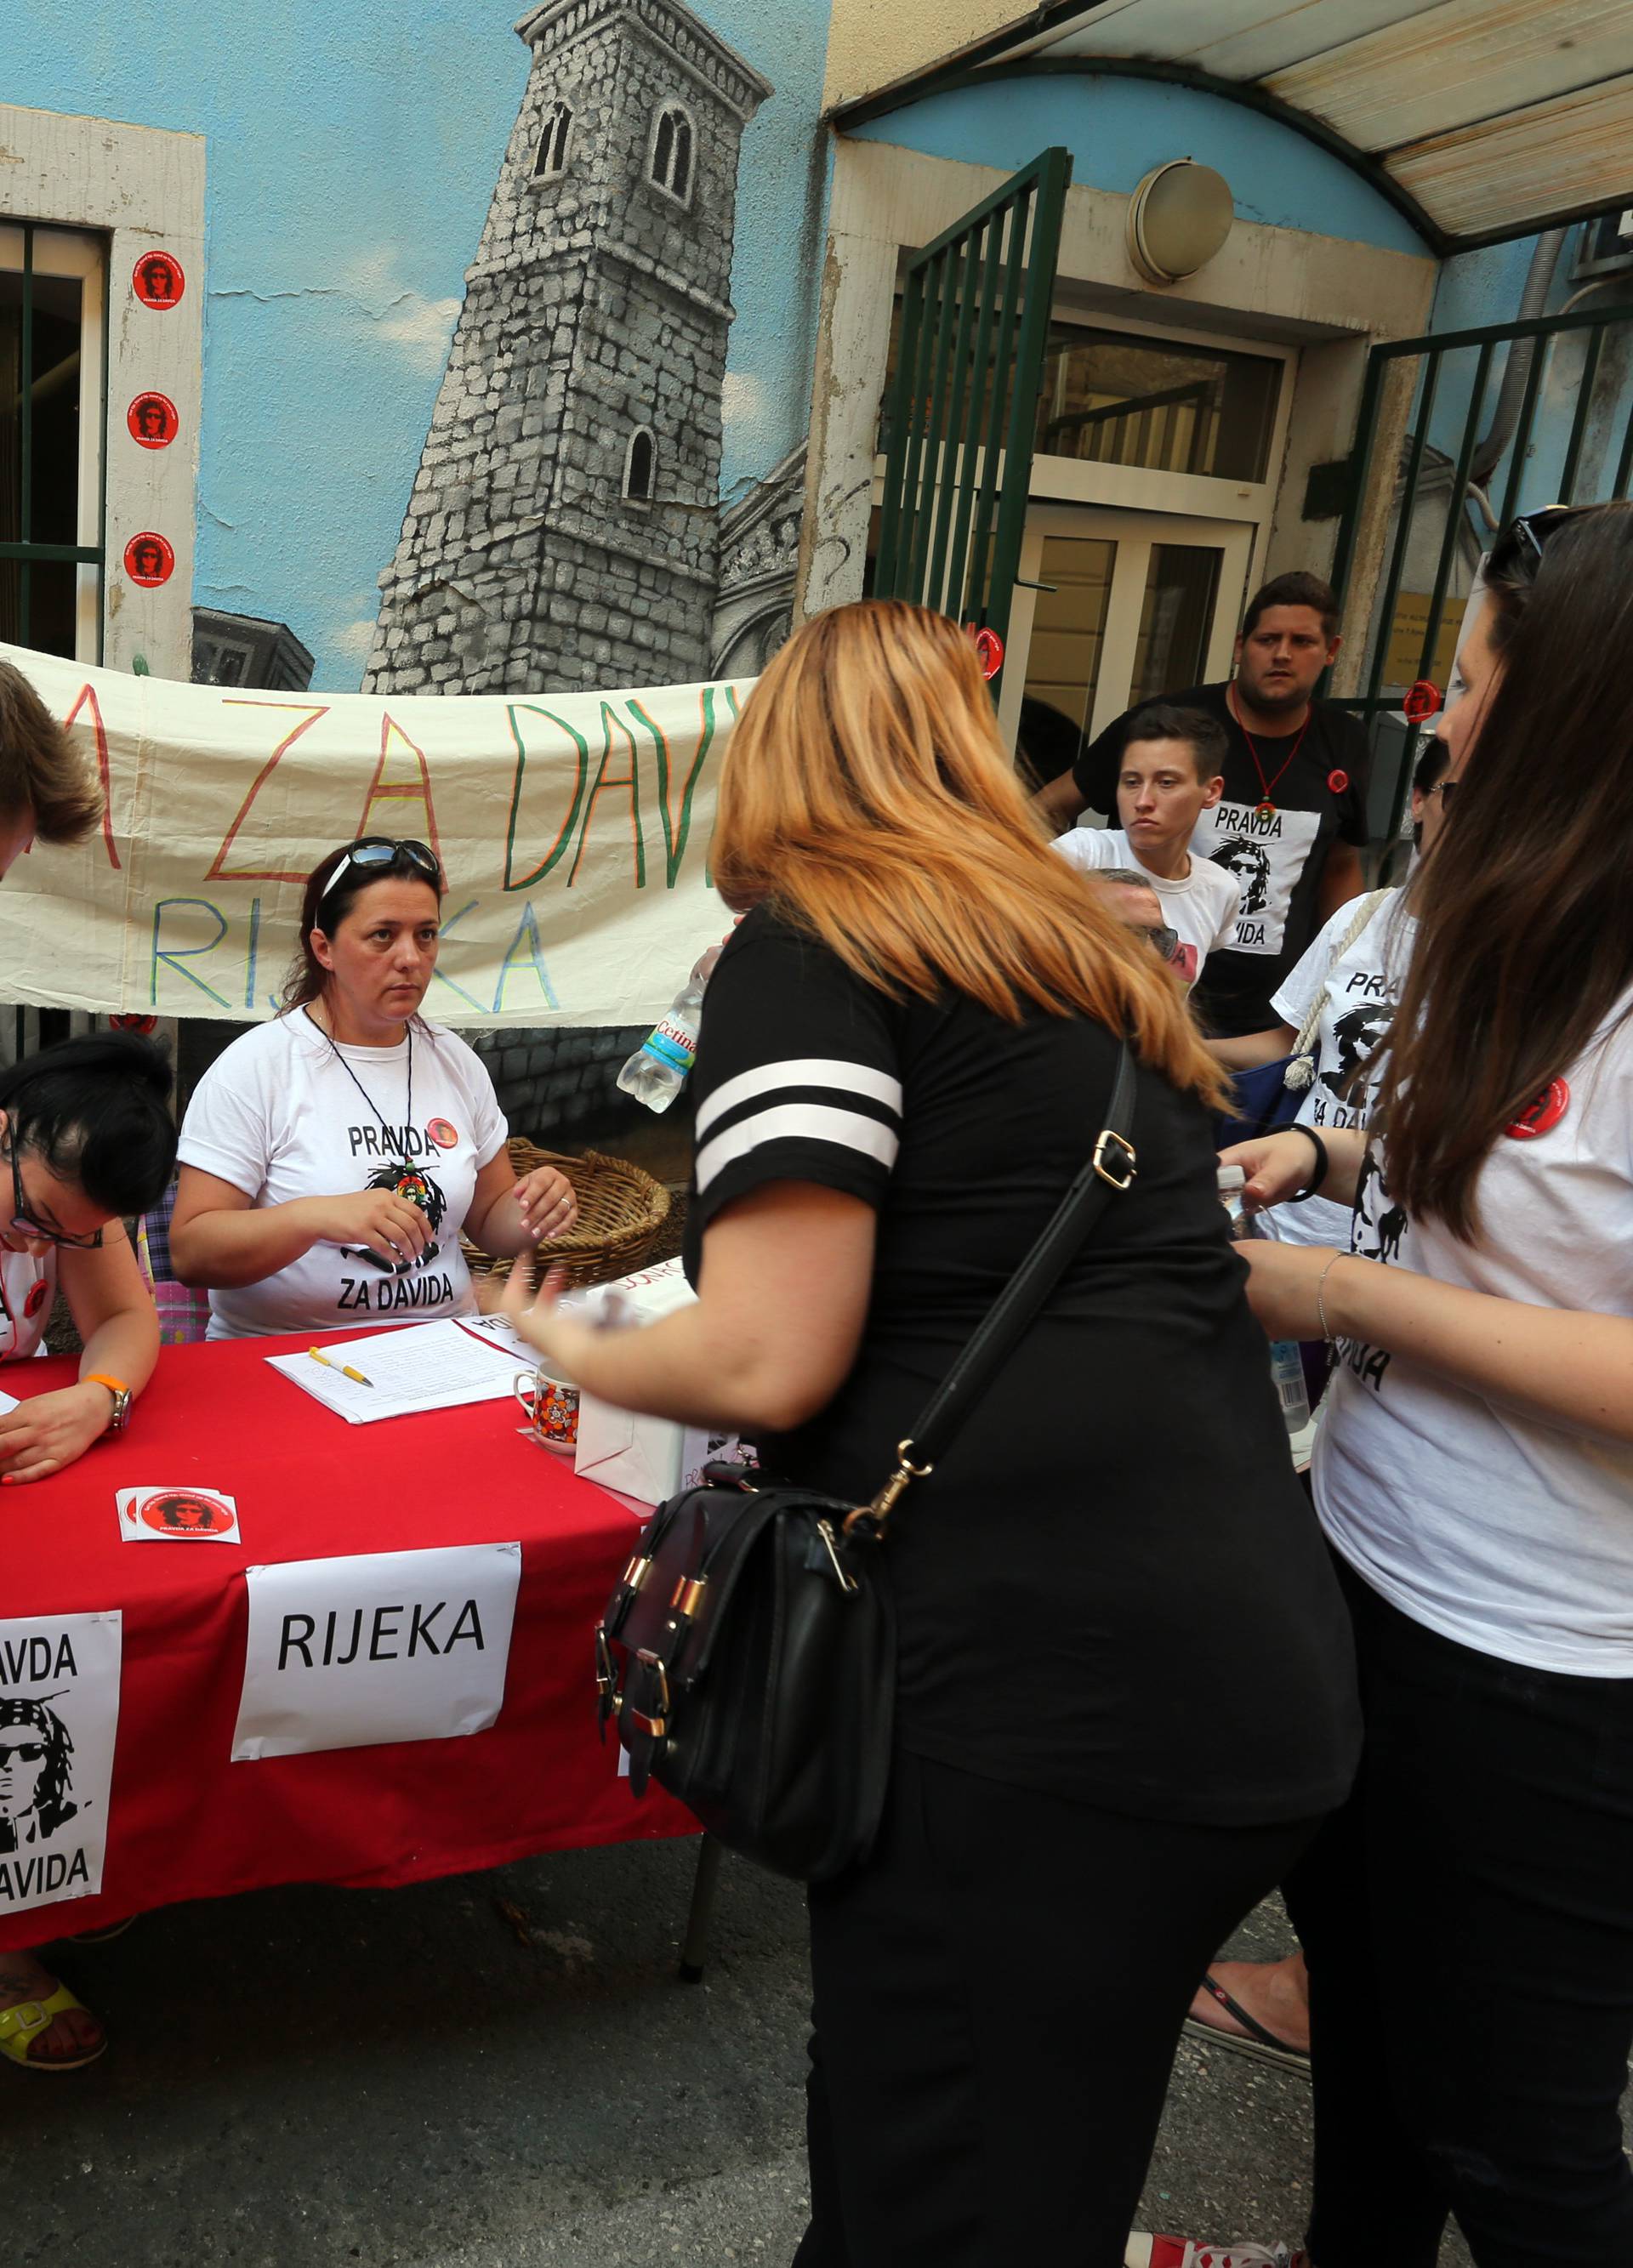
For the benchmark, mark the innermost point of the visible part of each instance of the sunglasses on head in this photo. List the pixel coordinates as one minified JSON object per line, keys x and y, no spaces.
{"x":368,"y":858}
{"x":1531,"y":530}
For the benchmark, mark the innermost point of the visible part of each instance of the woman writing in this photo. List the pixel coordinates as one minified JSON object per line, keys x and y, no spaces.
{"x":331,"y":1158}
{"x":1468,"y":1917}
{"x":906,"y":1047}
{"x":85,"y":1137}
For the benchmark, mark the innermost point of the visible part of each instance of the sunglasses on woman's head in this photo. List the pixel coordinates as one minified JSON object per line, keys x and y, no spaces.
{"x":1531,"y":530}
{"x":369,"y":856}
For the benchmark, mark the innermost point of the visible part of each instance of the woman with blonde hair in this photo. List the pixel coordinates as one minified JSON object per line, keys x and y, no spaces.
{"x":1125,"y":1698}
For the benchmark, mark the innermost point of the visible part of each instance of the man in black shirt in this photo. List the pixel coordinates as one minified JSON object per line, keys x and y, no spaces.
{"x":1292,"y":820}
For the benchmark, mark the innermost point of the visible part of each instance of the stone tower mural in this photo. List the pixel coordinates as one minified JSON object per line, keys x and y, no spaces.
{"x":563,"y":528}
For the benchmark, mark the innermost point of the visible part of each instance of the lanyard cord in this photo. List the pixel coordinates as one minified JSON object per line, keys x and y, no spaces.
{"x":1266,"y":784}
{"x":362,"y":1090}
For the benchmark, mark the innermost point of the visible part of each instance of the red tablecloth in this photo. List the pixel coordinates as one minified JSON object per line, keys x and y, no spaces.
{"x":183,"y":1820}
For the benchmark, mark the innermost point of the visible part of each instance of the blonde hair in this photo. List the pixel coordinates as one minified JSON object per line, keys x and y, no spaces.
{"x":867,"y":797}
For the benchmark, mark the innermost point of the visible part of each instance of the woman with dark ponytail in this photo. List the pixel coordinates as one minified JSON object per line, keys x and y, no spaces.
{"x":85,"y":1137}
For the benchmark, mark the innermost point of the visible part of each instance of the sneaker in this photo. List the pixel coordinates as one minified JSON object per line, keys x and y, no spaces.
{"x":1146,"y":2251}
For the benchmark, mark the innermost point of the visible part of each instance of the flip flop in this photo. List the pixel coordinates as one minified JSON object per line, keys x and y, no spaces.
{"x":21,"y":2026}
{"x":1255,"y":2039}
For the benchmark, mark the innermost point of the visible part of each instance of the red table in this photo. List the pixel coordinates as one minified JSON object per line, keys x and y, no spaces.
{"x":184,"y":1822}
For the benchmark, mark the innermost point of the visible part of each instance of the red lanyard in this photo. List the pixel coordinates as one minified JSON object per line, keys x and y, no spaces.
{"x":1265,"y":809}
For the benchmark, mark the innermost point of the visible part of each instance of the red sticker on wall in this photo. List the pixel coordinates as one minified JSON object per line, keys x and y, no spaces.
{"x":1544,"y":1114}
{"x":133,"y":1023}
{"x":149,"y":560}
{"x":989,"y":646}
{"x":153,"y":421}
{"x":1421,"y":701}
{"x":157,"y":280}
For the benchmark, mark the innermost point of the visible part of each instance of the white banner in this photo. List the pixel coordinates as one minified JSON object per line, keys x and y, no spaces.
{"x":59,"y":1713}
{"x":385,"y":1646}
{"x":573,"y":830}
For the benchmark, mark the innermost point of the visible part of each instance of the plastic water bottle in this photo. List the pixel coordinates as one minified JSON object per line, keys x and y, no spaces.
{"x":1287,"y":1369}
{"x":656,"y":1072}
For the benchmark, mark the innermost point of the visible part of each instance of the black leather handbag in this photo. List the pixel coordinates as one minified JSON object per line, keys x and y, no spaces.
{"x":747,"y":1652}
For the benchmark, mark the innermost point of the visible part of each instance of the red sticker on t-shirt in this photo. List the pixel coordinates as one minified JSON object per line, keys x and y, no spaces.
{"x":36,"y":1299}
{"x":442,"y":1133}
{"x":158,"y":281}
{"x":1544,"y":1114}
{"x":1338,"y":781}
{"x":149,"y":560}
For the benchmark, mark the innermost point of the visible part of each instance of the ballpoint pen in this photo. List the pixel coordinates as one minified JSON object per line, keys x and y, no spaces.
{"x":344,"y":1368}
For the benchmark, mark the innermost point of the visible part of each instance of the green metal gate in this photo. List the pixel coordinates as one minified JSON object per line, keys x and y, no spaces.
{"x":974,"y":324}
{"x":1453,"y":488}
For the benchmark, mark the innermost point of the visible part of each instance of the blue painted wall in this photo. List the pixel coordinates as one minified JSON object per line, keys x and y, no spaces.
{"x":352,"y":153}
{"x":1117,"y":128}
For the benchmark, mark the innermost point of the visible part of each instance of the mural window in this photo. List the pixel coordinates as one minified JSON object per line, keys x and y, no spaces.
{"x":670,"y":163}
{"x":640,"y":466}
{"x":551,"y":159}
{"x":52,"y":301}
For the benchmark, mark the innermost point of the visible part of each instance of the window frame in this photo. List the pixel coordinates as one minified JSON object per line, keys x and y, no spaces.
{"x":33,"y":248}
{"x":672,"y":108}
{"x":557,"y":128}
{"x":632,"y":496}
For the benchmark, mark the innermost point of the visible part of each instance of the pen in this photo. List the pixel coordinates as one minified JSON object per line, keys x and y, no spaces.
{"x":344,"y":1368}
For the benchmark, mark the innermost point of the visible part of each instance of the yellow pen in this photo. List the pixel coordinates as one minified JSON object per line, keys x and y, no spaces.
{"x":344,"y":1368}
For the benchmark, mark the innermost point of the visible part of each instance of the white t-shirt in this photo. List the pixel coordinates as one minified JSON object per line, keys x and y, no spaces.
{"x":277,"y":1117}
{"x":1504,"y":1533}
{"x":1201,"y":910}
{"x":27,"y":1288}
{"x":1359,"y":990}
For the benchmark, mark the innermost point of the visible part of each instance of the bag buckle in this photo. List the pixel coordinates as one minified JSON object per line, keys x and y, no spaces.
{"x":656,"y":1728}
{"x":824,"y":1528}
{"x":606,"y":1679}
{"x":1125,"y":1157}
{"x":868,"y":1519}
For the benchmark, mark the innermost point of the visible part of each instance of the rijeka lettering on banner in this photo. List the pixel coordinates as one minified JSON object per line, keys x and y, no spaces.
{"x":59,"y":1713}
{"x":387,"y":1645}
{"x":573,"y":830}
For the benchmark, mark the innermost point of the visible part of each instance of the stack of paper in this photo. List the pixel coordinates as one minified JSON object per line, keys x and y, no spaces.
{"x":422,"y":1366}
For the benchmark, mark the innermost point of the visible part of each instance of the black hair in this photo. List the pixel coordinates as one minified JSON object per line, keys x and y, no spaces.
{"x":1203,"y":735}
{"x":97,"y":1111}
{"x":326,"y":909}
{"x":1295,"y":590}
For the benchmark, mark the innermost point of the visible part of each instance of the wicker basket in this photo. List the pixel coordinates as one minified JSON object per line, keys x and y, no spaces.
{"x":621,"y":1215}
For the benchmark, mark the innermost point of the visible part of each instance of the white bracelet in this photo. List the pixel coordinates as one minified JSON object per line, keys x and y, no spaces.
{"x":1327,"y":1328}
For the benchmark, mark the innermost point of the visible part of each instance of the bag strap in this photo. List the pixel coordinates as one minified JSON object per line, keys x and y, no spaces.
{"x":1109,"y":1169}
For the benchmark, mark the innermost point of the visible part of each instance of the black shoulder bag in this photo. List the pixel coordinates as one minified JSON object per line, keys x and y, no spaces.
{"x":755,"y":1622}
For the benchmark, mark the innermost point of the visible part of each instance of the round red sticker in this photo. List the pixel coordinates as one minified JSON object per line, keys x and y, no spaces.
{"x":36,"y":1299}
{"x":185,"y":1512}
{"x":1421,"y":701}
{"x":1544,"y":1114}
{"x":989,"y":646}
{"x":149,"y":560}
{"x":157,"y":280}
{"x":132,"y":1023}
{"x":1338,"y":780}
{"x":153,"y":421}
{"x":444,"y":1135}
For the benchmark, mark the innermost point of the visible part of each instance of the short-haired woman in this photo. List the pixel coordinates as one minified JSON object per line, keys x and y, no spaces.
{"x":1468,"y":1917}
{"x":1124,"y":1697}
{"x":85,"y":1137}
{"x":331,"y":1158}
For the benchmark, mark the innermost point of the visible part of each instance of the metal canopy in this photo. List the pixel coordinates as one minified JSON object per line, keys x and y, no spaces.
{"x":1481,"y":120}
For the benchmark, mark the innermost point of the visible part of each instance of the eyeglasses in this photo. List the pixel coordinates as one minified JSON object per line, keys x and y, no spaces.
{"x":364,"y":856}
{"x":1531,"y":530}
{"x":1445,"y":789}
{"x":1166,"y":940}
{"x":28,"y":1752}
{"x":23,"y":1223}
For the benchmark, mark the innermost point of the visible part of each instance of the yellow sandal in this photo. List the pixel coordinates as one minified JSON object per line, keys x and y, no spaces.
{"x":21,"y":2026}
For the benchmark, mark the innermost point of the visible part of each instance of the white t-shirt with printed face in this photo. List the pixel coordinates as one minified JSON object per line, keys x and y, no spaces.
{"x":278,"y":1116}
{"x":1491,"y":1527}
{"x":1201,"y":910}
{"x":1265,"y":853}
{"x":1358,"y":990}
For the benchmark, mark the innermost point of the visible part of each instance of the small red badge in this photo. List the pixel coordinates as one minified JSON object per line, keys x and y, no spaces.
{"x":157,"y":280}
{"x":153,"y":421}
{"x":1338,"y":780}
{"x":134,"y":1023}
{"x":442,"y":1133}
{"x":989,"y":647}
{"x":36,"y":1299}
{"x":1544,"y":1114}
{"x":1421,"y":701}
{"x":149,"y":560}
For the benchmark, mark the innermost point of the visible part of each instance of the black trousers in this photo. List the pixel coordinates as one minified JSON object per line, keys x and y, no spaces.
{"x":1467,"y":1919}
{"x":999,"y":1995}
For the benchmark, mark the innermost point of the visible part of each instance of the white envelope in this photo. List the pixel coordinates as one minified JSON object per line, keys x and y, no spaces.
{"x":647,"y":1458}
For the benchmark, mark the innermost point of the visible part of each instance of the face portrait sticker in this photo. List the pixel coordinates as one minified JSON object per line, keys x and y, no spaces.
{"x":177,"y":1515}
{"x":157,"y":280}
{"x":444,"y":1135}
{"x":153,"y":421}
{"x":1544,"y":1114}
{"x":149,"y":560}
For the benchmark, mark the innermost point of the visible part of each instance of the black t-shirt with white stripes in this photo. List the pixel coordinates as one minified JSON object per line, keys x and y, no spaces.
{"x":1111,"y":1587}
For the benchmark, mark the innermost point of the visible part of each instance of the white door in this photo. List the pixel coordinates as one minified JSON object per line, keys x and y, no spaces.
{"x":1113,"y":609}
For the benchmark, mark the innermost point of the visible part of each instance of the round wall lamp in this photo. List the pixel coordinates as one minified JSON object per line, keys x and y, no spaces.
{"x":1179,"y":218}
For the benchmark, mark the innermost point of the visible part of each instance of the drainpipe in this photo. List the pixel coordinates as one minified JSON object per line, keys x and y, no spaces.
{"x":1521,"y":353}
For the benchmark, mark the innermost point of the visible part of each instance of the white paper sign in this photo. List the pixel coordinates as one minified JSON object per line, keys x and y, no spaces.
{"x":59,"y":1713}
{"x":387,"y":1645}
